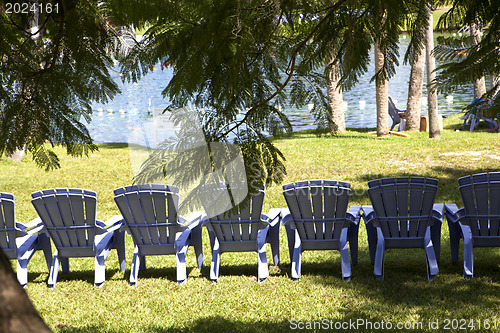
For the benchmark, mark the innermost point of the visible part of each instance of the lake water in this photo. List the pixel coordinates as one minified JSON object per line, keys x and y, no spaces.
{"x":128,"y":116}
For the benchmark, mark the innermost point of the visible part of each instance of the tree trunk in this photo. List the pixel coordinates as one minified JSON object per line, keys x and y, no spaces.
{"x":479,"y":84}
{"x":434,"y":131}
{"x":17,"y":314}
{"x":382,"y":95}
{"x":334,"y":94}
{"x":414,"y":103}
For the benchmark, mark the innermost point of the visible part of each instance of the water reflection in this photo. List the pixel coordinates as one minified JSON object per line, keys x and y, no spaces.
{"x":130,"y":112}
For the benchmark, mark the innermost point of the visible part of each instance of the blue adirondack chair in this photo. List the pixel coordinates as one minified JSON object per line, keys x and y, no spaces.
{"x":474,"y":115}
{"x":20,"y":241}
{"x":403,"y":215}
{"x":242,"y":228}
{"x":150,"y":214}
{"x":397,"y":116}
{"x":69,"y":217}
{"x":317,"y":219}
{"x":478,"y":223}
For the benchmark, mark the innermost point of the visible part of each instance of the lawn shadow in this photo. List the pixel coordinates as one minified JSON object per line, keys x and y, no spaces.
{"x":248,"y":270}
{"x":113,"y":145}
{"x":205,"y":324}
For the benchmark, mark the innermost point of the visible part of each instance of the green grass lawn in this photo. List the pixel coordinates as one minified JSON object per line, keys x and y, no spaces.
{"x":238,"y":302}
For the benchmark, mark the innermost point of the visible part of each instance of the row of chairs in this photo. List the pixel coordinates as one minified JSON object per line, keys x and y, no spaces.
{"x":402,"y":215}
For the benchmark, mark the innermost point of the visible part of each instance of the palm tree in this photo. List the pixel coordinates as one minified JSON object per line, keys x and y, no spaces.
{"x":413,"y":106}
{"x":382,"y":94}
{"x":479,"y":83}
{"x":467,"y":60}
{"x":334,"y":95}
{"x":432,"y":113}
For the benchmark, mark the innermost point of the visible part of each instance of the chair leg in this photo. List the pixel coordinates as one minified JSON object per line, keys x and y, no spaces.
{"x":22,"y":271}
{"x":100,"y":270}
{"x":65,"y":265}
{"x":436,"y":240}
{"x":54,"y":270}
{"x":119,"y":245}
{"x":198,"y":245}
{"x":468,"y":252}
{"x":472,"y":122}
{"x":352,"y":236}
{"x":454,"y":239}
{"x":263,"y":270}
{"x":181,"y":247}
{"x":134,"y":270}
{"x":379,"y":256}
{"x":344,"y":256}
{"x":44,"y":245}
{"x":296,"y":258}
{"x":214,"y":266}
{"x":371,"y":232}
{"x":25,"y":251}
{"x":274,"y":240}
{"x":290,"y":235}
{"x":142,"y":265}
{"x":430,"y":254}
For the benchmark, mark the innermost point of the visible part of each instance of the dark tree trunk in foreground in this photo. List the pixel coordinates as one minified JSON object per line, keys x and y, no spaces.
{"x":17,"y":314}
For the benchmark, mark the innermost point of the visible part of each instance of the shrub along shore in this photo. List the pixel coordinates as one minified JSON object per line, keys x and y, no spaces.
{"x":238,"y":302}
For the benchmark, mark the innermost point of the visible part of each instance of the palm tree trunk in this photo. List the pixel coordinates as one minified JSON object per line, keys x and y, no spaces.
{"x":334,"y":95}
{"x":382,"y":95}
{"x":414,"y":103}
{"x":434,"y":131}
{"x":17,"y":314}
{"x":479,"y":84}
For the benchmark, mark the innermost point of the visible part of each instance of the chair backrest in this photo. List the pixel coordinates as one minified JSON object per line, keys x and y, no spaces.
{"x":481,"y":198}
{"x":150,"y":212}
{"x":240,"y":222}
{"x":69,"y":215}
{"x":318,"y":207}
{"x":7,"y":221}
{"x":403,"y":205}
{"x":393,"y":111}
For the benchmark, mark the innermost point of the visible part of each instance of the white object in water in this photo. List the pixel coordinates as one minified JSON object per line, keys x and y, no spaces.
{"x":100,"y":110}
{"x":362,"y":104}
{"x":310,"y":106}
{"x":110,"y":110}
{"x":122,"y":111}
{"x":449,"y":99}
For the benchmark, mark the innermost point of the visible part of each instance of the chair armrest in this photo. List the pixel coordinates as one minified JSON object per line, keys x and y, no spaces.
{"x":286,"y":217}
{"x":438,"y":212}
{"x":115,"y":223}
{"x":192,"y":220}
{"x":368,"y":214}
{"x":273,"y":217}
{"x":453,"y":214}
{"x":31,"y":227}
{"x":354,"y":214}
